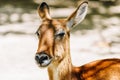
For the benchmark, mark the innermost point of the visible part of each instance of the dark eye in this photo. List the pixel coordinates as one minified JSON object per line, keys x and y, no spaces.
{"x":60,"y":35}
{"x":37,"y":33}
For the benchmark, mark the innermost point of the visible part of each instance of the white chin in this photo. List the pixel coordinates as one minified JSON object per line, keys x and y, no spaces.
{"x":45,"y":63}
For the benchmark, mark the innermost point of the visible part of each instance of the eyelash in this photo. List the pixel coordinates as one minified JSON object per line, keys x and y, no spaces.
{"x":60,"y":35}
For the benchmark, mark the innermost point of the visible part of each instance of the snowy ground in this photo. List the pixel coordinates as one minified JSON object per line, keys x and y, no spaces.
{"x":17,"y":51}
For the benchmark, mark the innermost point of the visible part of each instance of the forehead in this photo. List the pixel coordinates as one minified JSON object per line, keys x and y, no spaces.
{"x":52,"y":24}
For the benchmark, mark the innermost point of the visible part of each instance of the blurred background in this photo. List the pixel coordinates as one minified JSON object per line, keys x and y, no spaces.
{"x":97,"y":37}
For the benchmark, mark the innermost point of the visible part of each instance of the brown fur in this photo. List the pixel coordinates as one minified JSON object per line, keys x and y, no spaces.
{"x":58,"y":48}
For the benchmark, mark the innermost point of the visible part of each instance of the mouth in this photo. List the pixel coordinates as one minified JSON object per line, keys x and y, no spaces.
{"x":44,"y":63}
{"x":43,"y":60}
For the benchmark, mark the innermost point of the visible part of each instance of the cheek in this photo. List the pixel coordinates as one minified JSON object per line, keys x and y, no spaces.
{"x":59,"y":51}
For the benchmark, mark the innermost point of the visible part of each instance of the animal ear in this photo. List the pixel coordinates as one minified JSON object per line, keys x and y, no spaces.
{"x":43,"y":11}
{"x":78,"y":15}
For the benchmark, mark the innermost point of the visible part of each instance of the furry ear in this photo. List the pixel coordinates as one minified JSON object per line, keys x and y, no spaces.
{"x":78,"y":15}
{"x":43,"y":11}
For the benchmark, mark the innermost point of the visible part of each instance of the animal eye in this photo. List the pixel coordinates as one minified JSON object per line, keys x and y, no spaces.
{"x":60,"y":35}
{"x":37,"y":33}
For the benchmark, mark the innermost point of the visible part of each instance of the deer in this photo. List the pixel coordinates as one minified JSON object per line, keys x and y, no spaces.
{"x":53,"y":50}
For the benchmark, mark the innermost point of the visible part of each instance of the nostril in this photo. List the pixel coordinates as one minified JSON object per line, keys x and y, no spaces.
{"x":43,"y":58}
{"x":37,"y":58}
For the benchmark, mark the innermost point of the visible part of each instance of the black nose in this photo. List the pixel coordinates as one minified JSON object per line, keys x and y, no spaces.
{"x":43,"y":59}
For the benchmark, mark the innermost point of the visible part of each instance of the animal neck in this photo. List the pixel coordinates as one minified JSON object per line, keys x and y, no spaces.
{"x":61,"y":71}
{"x":63,"y":68}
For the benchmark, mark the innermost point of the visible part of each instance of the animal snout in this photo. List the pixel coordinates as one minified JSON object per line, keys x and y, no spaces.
{"x":42,"y":59}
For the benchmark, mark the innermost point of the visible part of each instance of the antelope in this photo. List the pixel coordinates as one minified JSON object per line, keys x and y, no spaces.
{"x":54,"y":49}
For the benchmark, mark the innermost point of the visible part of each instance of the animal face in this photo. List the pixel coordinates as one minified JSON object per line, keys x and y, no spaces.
{"x":53,"y":35}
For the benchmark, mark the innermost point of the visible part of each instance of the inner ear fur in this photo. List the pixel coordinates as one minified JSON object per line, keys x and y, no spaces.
{"x":78,"y":15}
{"x":43,"y":11}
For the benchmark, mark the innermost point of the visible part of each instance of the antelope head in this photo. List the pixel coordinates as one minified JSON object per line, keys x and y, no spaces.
{"x":53,"y":35}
